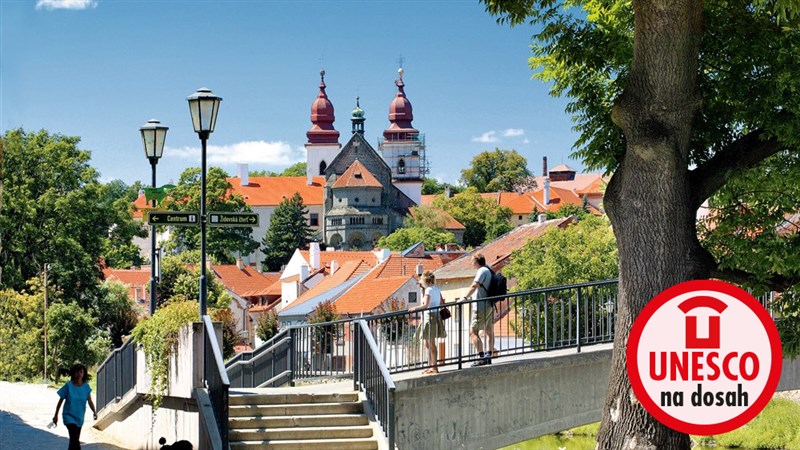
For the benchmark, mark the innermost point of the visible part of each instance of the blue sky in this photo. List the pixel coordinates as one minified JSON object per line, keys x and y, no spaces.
{"x":100,"y":69}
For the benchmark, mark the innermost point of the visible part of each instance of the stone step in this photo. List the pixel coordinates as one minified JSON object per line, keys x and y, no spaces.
{"x":298,"y":433}
{"x":278,"y":399}
{"x":332,"y":420}
{"x":295,"y":410}
{"x":322,"y":444}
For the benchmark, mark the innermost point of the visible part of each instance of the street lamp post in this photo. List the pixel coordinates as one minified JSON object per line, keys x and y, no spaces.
{"x":204,"y":106}
{"x":153,"y":136}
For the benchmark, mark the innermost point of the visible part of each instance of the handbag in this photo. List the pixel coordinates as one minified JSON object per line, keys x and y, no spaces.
{"x":444,"y":313}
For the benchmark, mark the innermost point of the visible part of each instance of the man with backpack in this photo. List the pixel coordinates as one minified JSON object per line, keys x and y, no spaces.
{"x":483,"y":311}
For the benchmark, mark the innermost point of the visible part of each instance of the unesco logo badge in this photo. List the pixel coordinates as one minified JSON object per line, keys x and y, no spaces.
{"x":704,"y":357}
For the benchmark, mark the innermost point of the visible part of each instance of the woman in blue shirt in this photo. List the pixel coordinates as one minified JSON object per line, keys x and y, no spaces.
{"x":75,"y":393}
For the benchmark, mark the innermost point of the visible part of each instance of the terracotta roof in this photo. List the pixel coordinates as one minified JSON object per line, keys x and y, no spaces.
{"x":581,"y":182}
{"x":356,"y":176}
{"x":245,"y":282}
{"x":501,"y":198}
{"x":427,"y":199}
{"x":270,"y":191}
{"x":595,"y":188}
{"x":128,"y":276}
{"x":263,"y":308}
{"x":276,"y":289}
{"x":558,"y":198}
{"x":341,"y":257}
{"x":562,"y":168}
{"x":349,"y":270}
{"x":498,"y":251}
{"x":396,"y":265}
{"x":450,"y":222}
{"x":368,"y":294}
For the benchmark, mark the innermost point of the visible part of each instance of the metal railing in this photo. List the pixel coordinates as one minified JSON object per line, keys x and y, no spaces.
{"x":373,"y":378}
{"x":322,"y":350}
{"x":215,"y":378}
{"x":116,"y":375}
{"x":267,"y":366}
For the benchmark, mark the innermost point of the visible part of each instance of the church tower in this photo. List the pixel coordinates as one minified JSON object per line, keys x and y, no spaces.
{"x":403,"y":147}
{"x":323,"y":140}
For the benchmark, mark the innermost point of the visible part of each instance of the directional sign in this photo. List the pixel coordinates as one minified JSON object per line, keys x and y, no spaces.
{"x":232,"y":219}
{"x":179,"y":218}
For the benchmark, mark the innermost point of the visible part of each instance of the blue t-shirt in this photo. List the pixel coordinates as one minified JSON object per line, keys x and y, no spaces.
{"x":75,"y":398}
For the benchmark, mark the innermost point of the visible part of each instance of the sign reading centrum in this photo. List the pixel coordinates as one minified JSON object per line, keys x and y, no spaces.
{"x":232,"y":219}
{"x":179,"y":218}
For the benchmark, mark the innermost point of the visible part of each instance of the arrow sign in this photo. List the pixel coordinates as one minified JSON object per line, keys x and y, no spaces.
{"x":232,"y":219}
{"x":179,"y":218}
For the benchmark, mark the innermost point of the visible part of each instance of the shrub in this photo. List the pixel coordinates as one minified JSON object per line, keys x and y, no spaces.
{"x":158,"y":337}
{"x":267,"y":326}
{"x":230,"y":336}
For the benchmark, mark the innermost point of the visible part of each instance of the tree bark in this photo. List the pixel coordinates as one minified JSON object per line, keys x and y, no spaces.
{"x":649,"y":198}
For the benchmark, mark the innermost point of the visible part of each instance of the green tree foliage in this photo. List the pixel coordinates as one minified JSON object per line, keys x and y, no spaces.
{"x":180,"y":281}
{"x":585,"y":251}
{"x":158,"y":337}
{"x":483,"y":218}
{"x":675,"y":123}
{"x":566,"y":210}
{"x":222,"y":242}
{"x":324,"y":337}
{"x":288,"y":230}
{"x":230,"y":336}
{"x":426,"y":217}
{"x":402,"y":238}
{"x":432,"y":186}
{"x":54,"y":211}
{"x":267,"y":325}
{"x":116,"y":314}
{"x":119,"y":251}
{"x":498,"y":170}
{"x":69,"y":331}
{"x":21,"y":335}
{"x":295,"y":170}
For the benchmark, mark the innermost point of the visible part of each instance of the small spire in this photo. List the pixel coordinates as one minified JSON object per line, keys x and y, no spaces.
{"x":357,"y":104}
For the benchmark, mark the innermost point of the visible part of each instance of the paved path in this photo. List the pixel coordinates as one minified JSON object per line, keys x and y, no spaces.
{"x":25,"y":411}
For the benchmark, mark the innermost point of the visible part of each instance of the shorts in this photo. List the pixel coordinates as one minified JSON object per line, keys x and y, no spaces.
{"x":482,"y":319}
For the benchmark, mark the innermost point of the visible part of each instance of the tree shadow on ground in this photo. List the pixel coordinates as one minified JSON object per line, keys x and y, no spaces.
{"x":16,"y":434}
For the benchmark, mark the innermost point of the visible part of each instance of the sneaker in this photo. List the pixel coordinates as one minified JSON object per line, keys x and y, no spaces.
{"x":481,"y":362}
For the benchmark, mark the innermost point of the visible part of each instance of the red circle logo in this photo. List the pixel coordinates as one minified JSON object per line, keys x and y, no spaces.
{"x":704,"y":357}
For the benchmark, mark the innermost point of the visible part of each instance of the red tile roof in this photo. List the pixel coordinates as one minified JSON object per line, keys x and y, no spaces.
{"x":245,"y":282}
{"x":341,"y":257}
{"x":270,"y":191}
{"x":501,"y":198}
{"x":581,"y":183}
{"x":450,"y":222}
{"x":396,"y":265}
{"x":427,"y":199}
{"x":356,"y":176}
{"x":276,"y":289}
{"x":368,"y":294}
{"x":558,"y":198}
{"x":499,"y":250}
{"x":138,"y":281}
{"x":349,"y":270}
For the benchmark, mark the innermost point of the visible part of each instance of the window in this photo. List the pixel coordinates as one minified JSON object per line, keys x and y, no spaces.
{"x":322,"y":166}
{"x":357,"y":220}
{"x":412,"y":297}
{"x":336,"y":221}
{"x":401,"y":166}
{"x":355,"y":199}
{"x":377,"y":220}
{"x":314,"y":220}
{"x":520,"y":217}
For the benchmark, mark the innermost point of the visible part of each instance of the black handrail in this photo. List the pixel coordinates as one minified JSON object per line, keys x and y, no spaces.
{"x":215,"y":378}
{"x":373,"y":378}
{"x":116,"y":376}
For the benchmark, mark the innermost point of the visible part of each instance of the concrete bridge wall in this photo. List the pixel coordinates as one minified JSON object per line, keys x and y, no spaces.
{"x":499,"y":405}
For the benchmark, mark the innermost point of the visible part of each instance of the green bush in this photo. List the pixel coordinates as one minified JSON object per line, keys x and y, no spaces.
{"x":158,"y":337}
{"x":21,"y":342}
{"x":267,"y":325}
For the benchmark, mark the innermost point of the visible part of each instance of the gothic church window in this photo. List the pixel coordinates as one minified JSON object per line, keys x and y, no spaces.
{"x":401,"y":166}
{"x":322,"y":166}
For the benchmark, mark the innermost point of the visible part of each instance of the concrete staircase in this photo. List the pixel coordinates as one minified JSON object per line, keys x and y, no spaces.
{"x":292,"y":421}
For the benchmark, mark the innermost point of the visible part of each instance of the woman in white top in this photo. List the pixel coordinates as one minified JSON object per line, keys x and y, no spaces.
{"x":433,"y":326}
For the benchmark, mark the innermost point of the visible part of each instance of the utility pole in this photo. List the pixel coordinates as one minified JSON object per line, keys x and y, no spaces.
{"x":46,"y":270}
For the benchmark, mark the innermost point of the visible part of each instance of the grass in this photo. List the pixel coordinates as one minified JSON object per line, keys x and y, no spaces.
{"x":776,"y":427}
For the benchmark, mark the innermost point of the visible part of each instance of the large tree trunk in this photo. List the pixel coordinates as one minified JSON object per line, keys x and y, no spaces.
{"x":649,"y":200}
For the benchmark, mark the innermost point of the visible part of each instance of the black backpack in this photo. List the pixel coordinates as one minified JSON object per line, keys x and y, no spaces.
{"x":498,"y":286}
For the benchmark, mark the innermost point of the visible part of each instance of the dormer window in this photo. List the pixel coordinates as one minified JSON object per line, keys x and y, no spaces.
{"x":322,"y":167}
{"x":401,"y":166}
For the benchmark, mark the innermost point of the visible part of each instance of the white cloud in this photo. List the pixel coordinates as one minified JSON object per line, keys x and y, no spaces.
{"x":488,"y":137}
{"x":65,"y":4}
{"x":277,"y":153}
{"x":526,"y":141}
{"x":513,"y":132}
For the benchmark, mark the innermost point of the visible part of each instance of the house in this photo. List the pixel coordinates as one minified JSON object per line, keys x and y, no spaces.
{"x":138,"y":283}
{"x":247,"y":288}
{"x":455,"y":277}
{"x":450,"y":224}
